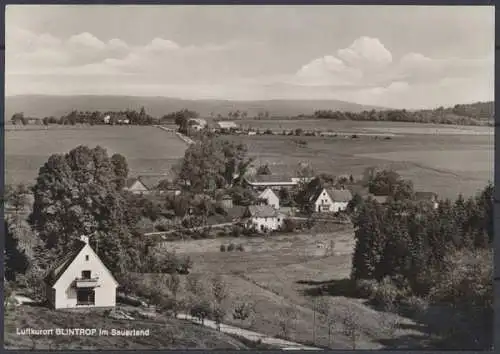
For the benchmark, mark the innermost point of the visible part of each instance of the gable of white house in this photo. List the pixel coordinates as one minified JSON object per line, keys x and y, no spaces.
{"x":138,"y":187}
{"x":73,"y":290}
{"x":271,"y":198}
{"x":323,"y":203}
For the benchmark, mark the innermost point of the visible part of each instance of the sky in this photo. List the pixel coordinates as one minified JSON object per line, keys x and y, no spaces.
{"x":392,"y":56}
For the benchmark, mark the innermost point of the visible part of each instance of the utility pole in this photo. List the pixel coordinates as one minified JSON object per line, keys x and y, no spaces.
{"x":314,"y":321}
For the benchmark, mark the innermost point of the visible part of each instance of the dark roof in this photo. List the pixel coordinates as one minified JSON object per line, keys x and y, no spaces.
{"x":339,"y":195}
{"x":60,"y":267}
{"x":379,"y":198}
{"x":236,"y":211}
{"x":357,"y":189}
{"x":425,"y":195}
{"x":262,"y":211}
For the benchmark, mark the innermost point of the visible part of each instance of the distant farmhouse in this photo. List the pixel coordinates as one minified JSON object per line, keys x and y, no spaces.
{"x":197,"y":123}
{"x":429,"y":197}
{"x":271,"y":198}
{"x":262,"y":218}
{"x":327,"y":200}
{"x":81,"y":280}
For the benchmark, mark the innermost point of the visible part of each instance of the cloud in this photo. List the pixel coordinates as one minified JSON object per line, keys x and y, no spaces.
{"x":366,"y":52}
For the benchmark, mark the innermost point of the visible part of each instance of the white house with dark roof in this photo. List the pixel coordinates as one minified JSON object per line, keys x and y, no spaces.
{"x":275,"y":182}
{"x":81,"y":280}
{"x":262,"y":218}
{"x":270,"y":197}
{"x":328,"y":200}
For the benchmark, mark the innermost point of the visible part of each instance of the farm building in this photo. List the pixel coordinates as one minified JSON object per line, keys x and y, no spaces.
{"x":329,"y":200}
{"x":147,"y":184}
{"x":430,"y":197}
{"x":270,"y":197}
{"x":197,"y":123}
{"x":226,"y":125}
{"x":275,"y":182}
{"x":262,"y":218}
{"x":81,"y":280}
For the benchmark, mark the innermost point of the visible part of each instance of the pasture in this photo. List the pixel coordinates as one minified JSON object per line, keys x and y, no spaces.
{"x":147,"y":149}
{"x":282,"y":272}
{"x":447,"y":164}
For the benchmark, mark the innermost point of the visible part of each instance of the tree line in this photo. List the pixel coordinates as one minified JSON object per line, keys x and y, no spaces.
{"x":442,"y":256}
{"x":480,"y":113}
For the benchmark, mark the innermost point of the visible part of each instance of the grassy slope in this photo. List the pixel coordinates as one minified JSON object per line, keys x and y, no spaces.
{"x":281,"y":272}
{"x":187,"y":335}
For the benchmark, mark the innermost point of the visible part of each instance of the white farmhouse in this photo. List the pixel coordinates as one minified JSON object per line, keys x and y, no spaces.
{"x":271,"y":198}
{"x":263,"y":218}
{"x":329,"y":200}
{"x":81,"y":280}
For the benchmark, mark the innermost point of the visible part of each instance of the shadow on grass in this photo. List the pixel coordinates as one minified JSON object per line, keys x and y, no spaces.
{"x":406,"y":342}
{"x":337,"y":287}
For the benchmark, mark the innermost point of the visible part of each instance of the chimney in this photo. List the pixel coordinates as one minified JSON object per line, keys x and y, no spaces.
{"x":84,"y":239}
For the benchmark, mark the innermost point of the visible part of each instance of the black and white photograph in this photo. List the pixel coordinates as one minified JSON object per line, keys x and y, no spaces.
{"x":248,"y":177}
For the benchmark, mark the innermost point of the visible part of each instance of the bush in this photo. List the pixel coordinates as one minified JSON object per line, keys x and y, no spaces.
{"x":231,"y":247}
{"x":385,"y":294}
{"x":366,"y":288}
{"x":240,"y":248}
{"x":413,"y":306}
{"x":236,"y":231}
{"x":289,"y":225}
{"x":223,"y":248}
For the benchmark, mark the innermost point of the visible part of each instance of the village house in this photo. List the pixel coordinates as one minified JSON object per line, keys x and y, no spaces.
{"x":262,"y":218}
{"x":328,"y":200}
{"x":270,"y":198}
{"x":81,"y":280}
{"x":429,"y":197}
{"x":148,"y":184}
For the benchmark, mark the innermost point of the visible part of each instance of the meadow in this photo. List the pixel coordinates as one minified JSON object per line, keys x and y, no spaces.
{"x":282,"y":272}
{"x":443,"y":159}
{"x":147,"y":149}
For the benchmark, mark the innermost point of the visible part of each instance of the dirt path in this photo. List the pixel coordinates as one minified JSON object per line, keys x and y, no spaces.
{"x":250,"y":335}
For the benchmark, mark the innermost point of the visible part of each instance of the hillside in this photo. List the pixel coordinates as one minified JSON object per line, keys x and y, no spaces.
{"x":184,"y":334}
{"x":45,"y":106}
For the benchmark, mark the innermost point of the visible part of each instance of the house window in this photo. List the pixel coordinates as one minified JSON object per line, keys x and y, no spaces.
{"x":86,"y":257}
{"x":86,"y":274}
{"x":85,"y":296}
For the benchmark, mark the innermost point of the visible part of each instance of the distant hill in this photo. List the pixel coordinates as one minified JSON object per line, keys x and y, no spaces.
{"x":45,"y":106}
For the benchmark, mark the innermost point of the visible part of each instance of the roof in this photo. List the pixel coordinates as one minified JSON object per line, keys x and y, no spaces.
{"x":337,"y":195}
{"x":227,"y":124}
{"x":60,"y":267}
{"x":262,"y":211}
{"x":271,"y":179}
{"x":267,"y":190}
{"x":149,"y":181}
{"x":199,"y":121}
{"x":379,"y":198}
{"x":425,"y":195}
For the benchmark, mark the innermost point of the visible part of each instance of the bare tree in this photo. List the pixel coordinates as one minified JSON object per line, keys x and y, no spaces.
{"x":287,"y":318}
{"x":219,"y":289}
{"x":174,"y":284}
{"x":351,"y":327}
{"x":324,"y":308}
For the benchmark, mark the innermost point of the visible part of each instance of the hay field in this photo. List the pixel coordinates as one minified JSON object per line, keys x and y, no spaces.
{"x":147,"y":149}
{"x":446,"y":164}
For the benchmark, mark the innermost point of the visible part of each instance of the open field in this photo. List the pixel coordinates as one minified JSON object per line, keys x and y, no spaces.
{"x":279,"y":272}
{"x":187,"y":335}
{"x":349,"y":126}
{"x":147,"y":149}
{"x":445,"y":164}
